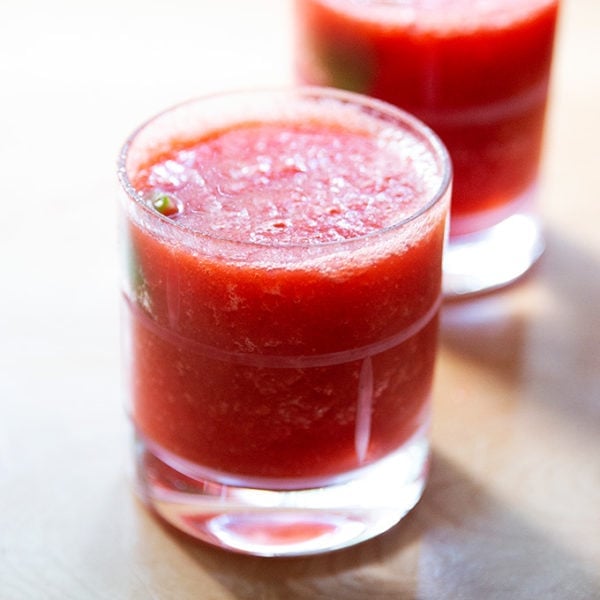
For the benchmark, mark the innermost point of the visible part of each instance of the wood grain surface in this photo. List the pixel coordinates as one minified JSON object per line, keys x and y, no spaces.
{"x":512,"y":509}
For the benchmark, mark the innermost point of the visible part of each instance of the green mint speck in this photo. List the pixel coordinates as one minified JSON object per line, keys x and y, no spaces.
{"x":165,"y":205}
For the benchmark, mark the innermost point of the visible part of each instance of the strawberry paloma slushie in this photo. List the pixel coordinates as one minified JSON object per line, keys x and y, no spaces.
{"x":284,"y":260}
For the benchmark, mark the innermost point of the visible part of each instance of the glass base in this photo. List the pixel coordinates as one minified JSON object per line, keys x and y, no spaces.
{"x":492,"y":258}
{"x":269,"y":522}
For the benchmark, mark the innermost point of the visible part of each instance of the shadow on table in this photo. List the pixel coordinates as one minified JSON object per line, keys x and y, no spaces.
{"x":541,"y":335}
{"x":459,"y":542}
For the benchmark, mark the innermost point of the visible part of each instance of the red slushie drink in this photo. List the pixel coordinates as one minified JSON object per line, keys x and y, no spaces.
{"x":477,"y":72}
{"x":284,"y":270}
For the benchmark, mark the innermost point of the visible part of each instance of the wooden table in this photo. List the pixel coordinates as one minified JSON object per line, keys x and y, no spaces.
{"x":512,"y":509}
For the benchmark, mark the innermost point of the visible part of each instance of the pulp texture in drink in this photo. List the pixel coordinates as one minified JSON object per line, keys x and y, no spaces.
{"x":476,"y":71}
{"x":283,"y":307}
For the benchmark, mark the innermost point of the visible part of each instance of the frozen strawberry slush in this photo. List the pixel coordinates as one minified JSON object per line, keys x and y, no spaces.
{"x":283,"y":295}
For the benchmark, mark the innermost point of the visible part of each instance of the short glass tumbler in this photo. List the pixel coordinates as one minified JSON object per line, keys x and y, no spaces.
{"x":477,"y":72}
{"x":282,"y":281}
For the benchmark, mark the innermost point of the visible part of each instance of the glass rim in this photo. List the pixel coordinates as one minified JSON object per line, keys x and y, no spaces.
{"x":420,"y":5}
{"x":430,"y":16}
{"x":375,"y":108}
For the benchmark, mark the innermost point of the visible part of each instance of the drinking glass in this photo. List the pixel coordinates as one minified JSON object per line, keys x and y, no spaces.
{"x":282,"y":281}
